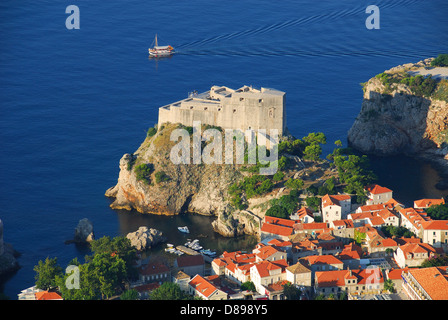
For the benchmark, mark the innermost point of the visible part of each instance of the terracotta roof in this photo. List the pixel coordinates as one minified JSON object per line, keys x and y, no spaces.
{"x":311,"y":226}
{"x":279,"y":243}
{"x":202,"y":286}
{"x":425,"y":203}
{"x":277,"y":229}
{"x":337,"y":278}
{"x":190,"y":260}
{"x":377,"y":189}
{"x":298,"y":268}
{"x":395,"y":274}
{"x":371,"y":207}
{"x":347,"y":223}
{"x":433,"y":280}
{"x":435,"y":225}
{"x":45,"y":295}
{"x":376,"y":221}
{"x":264,"y":267}
{"x":154,"y":268}
{"x":333,"y":200}
{"x":304,"y":211}
{"x":279,"y":221}
{"x":265,"y":252}
{"x":323,"y":259}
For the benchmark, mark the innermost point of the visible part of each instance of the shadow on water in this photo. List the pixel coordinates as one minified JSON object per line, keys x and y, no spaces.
{"x":199,"y":225}
{"x":409,"y":178}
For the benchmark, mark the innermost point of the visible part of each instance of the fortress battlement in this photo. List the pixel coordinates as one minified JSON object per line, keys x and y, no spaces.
{"x":243,"y":109}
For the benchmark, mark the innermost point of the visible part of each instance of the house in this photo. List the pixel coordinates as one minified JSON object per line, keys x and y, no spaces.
{"x":413,"y":254}
{"x":47,"y":295}
{"x":412,"y":219}
{"x":154,"y":272}
{"x":303,"y":215}
{"x":300,"y":275}
{"x":277,"y":228}
{"x":267,"y":272}
{"x":359,"y":281}
{"x":274,"y":291}
{"x":377,"y":194}
{"x":181,"y":279}
{"x":321,"y":263}
{"x":360,"y":218}
{"x":372,"y":208}
{"x":426,"y":283}
{"x":270,"y":253}
{"x":219,"y":265}
{"x":205,"y":289}
{"x":435,"y":232}
{"x":426,"y":203}
{"x":381,"y":247}
{"x":342,"y":229}
{"x":310,"y":228}
{"x":190,"y":264}
{"x":335,"y":207}
{"x":394,"y":275}
{"x":145,"y":290}
{"x":389,"y":218}
{"x":351,"y":256}
{"x":375,"y":221}
{"x":305,"y":248}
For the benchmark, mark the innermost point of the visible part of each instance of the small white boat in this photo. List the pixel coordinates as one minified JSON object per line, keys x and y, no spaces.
{"x":160,"y":51}
{"x":183,"y":229}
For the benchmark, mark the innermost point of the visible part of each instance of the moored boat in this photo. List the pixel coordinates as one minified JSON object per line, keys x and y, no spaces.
{"x":183,"y":229}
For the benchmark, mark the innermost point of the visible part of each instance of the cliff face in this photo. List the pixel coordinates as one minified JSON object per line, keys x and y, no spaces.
{"x":194,"y":188}
{"x":395,"y":120}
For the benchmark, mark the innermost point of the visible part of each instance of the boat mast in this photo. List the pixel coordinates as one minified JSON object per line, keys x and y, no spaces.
{"x":155,"y":40}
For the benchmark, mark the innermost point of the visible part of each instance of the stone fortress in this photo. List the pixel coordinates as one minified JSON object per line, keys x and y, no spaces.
{"x":243,"y":109}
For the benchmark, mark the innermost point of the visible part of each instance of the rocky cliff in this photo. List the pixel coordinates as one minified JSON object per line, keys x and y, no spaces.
{"x":150,"y":182}
{"x":404,"y":113}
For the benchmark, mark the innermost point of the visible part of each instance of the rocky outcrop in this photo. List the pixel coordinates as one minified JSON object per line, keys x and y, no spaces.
{"x":395,"y":120}
{"x":197,"y":188}
{"x":84,"y":232}
{"x":145,"y":238}
{"x":8,"y":261}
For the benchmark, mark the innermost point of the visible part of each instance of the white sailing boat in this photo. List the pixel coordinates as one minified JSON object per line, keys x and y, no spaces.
{"x":160,"y":51}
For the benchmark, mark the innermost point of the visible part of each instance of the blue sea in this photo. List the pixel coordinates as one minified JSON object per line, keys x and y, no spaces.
{"x":72,"y":102}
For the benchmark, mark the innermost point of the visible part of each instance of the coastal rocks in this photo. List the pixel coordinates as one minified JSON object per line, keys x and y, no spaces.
{"x":237,"y":223}
{"x":145,"y":238}
{"x":393,"y":120}
{"x":84,"y":232}
{"x":8,"y":261}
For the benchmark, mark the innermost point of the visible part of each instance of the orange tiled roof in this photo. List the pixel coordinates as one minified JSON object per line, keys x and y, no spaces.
{"x":333,"y":200}
{"x":377,"y":189}
{"x":264,"y":267}
{"x":435,"y":225}
{"x":277,"y":229}
{"x":202,"y":285}
{"x":323,"y":259}
{"x":433,"y":280}
{"x":45,"y":295}
{"x":425,"y":203}
{"x":279,"y":221}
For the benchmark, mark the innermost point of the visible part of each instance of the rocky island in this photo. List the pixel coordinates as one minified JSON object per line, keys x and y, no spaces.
{"x":149,"y":181}
{"x":405,"y":111}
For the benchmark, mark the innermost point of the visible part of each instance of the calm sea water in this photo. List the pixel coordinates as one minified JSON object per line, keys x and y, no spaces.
{"x":74,"y":101}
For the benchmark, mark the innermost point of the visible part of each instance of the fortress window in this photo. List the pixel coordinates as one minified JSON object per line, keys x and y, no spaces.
{"x":191,"y":107}
{"x":260,"y":100}
{"x":234,"y":110}
{"x":205,"y":108}
{"x":241,"y":99}
{"x":219,"y":109}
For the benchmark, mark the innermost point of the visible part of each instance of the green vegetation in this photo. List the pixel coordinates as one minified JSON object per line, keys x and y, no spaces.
{"x":437,"y":261}
{"x":104,"y":274}
{"x":143,"y":172}
{"x":419,"y":85}
{"x":389,"y":285}
{"x":278,"y":212}
{"x":313,"y":203}
{"x":284,"y":206}
{"x":151,"y":132}
{"x":359,"y":237}
{"x":169,"y":291}
{"x":248,"y":285}
{"x":391,"y":231}
{"x":440,"y":61}
{"x":291,"y":292}
{"x":252,"y":186}
{"x":161,"y":176}
{"x":438,"y":212}
{"x":294,"y":184}
{"x":131,"y":294}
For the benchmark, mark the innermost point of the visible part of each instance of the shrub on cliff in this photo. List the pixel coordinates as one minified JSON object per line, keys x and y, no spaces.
{"x":143,"y":172}
{"x":161,"y":176}
{"x":278,"y":212}
{"x":440,"y":61}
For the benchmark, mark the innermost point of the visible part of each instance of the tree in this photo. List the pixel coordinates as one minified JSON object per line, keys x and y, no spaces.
{"x":278,"y":212}
{"x":440,"y":61}
{"x":438,"y":211}
{"x":168,"y":291}
{"x":315,"y":138}
{"x":389,"y":285}
{"x":294,"y":184}
{"x":437,"y":261}
{"x":248,"y":285}
{"x":291,"y":292}
{"x":130,"y":295}
{"x":313,"y":203}
{"x":312,"y":152}
{"x":46,"y":272}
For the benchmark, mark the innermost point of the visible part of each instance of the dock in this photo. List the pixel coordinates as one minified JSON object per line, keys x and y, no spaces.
{"x":194,"y":252}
